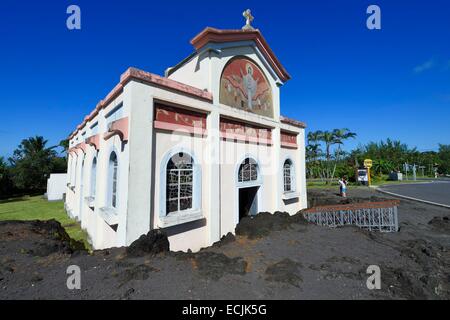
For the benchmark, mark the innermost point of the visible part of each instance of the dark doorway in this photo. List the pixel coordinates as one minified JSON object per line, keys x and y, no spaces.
{"x":248,"y":202}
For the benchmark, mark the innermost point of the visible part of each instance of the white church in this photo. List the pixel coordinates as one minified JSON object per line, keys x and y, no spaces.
{"x":191,"y":152}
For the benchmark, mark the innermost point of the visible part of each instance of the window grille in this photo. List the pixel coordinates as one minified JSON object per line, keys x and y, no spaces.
{"x":287,"y":176}
{"x":179,"y":183}
{"x":248,"y":171}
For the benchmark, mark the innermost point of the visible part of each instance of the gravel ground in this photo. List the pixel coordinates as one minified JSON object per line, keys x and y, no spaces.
{"x":293,"y":260}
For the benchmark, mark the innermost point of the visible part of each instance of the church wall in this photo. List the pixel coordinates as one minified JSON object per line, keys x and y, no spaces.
{"x":292,"y":206}
{"x":69,"y":194}
{"x":143,"y":201}
{"x":88,"y":217}
{"x":194,"y":234}
{"x":78,"y":185}
{"x":105,"y":236}
{"x":196,"y":72}
{"x":302,"y":169}
{"x":231,"y":155}
{"x":140,"y":99}
{"x":100,"y":233}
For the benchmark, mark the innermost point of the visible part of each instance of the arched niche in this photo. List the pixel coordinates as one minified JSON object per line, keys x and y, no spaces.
{"x":244,"y":86}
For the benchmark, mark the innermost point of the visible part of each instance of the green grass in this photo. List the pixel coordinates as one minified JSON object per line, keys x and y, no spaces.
{"x":38,"y":208}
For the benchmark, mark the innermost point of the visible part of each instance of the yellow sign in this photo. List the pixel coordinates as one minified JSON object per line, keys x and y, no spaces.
{"x":368,"y":163}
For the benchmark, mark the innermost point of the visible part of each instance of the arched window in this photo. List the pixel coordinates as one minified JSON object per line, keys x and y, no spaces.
{"x":248,"y":171}
{"x":113,"y":175}
{"x":179,"y":183}
{"x":288,"y":176}
{"x":93,"y":176}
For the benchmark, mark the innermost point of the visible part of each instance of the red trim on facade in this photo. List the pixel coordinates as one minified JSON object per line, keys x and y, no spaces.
{"x":81,"y":146}
{"x":133,"y":73}
{"x":288,"y":140}
{"x":172,"y":118}
{"x":216,"y":35}
{"x":94,"y":141}
{"x":293,"y":122}
{"x":119,"y":127}
{"x":244,"y":138}
{"x":235,"y":130}
{"x":147,"y":77}
{"x":179,"y":115}
{"x":180,"y":128}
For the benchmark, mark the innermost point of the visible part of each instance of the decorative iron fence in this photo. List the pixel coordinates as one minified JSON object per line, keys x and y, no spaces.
{"x":374,"y":216}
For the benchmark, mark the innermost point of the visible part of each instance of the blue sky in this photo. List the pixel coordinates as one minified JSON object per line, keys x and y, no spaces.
{"x":393,"y":82}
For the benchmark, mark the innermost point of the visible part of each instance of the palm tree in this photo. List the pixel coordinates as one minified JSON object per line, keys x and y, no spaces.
{"x":65,"y":145}
{"x":313,"y":153}
{"x":340,"y":135}
{"x":330,"y":138}
{"x":314,"y":137}
{"x":32,"y":147}
{"x":32,"y":162}
{"x":314,"y":144}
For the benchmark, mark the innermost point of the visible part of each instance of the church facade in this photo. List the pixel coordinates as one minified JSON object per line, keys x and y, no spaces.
{"x":191,"y":152}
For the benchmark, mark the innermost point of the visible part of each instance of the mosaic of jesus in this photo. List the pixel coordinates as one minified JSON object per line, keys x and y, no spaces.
{"x":244,"y":86}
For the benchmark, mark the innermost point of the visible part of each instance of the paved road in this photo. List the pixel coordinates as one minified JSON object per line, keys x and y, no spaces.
{"x":438,"y":192}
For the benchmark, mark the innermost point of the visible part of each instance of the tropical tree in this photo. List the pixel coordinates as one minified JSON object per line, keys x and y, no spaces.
{"x":327,"y":161}
{"x":31,"y":163}
{"x":64,"y":144}
{"x":390,"y":150}
{"x":328,"y":138}
{"x":313,"y":154}
{"x":381,"y":166}
{"x":3,"y":168}
{"x":5,"y":179}
{"x":314,"y":137}
{"x":444,"y":158}
{"x":340,"y":135}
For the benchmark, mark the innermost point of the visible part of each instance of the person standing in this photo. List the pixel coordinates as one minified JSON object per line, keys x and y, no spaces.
{"x":343,"y":187}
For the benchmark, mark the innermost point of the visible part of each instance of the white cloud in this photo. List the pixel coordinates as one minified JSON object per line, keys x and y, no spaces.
{"x":424,"y":66}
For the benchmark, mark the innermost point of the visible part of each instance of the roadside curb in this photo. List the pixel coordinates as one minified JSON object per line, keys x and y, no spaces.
{"x":411,"y":198}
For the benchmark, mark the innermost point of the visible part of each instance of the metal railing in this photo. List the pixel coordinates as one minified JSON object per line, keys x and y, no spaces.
{"x":374,"y":216}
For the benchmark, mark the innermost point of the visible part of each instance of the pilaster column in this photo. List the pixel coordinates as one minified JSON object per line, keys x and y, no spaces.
{"x":139,"y":99}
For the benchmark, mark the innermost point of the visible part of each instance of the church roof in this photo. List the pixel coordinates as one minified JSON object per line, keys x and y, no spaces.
{"x":292,"y":122}
{"x":220,"y":36}
{"x":146,"y":77}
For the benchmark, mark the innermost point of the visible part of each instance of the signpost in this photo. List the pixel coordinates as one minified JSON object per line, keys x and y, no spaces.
{"x":362,"y":176}
{"x":368,"y":165}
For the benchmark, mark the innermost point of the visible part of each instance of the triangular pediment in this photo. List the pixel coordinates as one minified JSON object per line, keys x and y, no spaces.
{"x":216,"y":36}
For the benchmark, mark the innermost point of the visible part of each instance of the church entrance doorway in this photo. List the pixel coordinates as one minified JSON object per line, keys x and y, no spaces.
{"x":248,"y":202}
